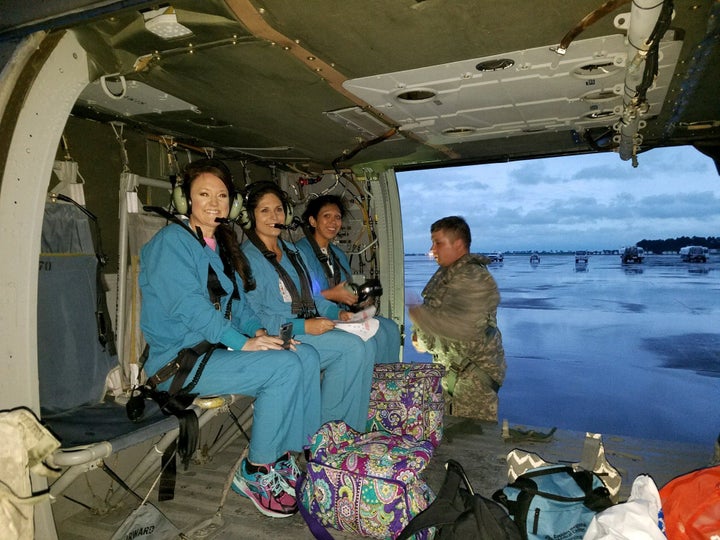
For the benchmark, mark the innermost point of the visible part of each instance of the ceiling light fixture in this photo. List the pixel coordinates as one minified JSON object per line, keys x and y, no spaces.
{"x":163,"y":23}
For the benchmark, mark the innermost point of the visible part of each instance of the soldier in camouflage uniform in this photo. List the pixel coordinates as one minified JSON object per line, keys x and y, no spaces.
{"x":457,"y":323}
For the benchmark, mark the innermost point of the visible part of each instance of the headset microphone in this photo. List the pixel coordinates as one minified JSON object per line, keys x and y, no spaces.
{"x":221,"y":220}
{"x":293,"y":225}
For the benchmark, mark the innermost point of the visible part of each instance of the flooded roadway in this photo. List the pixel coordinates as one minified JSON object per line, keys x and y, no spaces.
{"x":624,"y":349}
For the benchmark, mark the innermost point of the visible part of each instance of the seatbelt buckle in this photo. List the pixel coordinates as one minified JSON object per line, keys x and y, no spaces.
{"x":164,"y":373}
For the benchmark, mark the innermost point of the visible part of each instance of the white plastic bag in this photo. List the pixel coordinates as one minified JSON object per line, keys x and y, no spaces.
{"x":635,"y":519}
{"x":146,"y":522}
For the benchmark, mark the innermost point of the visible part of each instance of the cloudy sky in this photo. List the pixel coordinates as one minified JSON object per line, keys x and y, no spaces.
{"x":579,"y":202}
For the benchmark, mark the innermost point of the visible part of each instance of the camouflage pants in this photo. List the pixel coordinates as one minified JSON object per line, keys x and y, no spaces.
{"x":470,"y":394}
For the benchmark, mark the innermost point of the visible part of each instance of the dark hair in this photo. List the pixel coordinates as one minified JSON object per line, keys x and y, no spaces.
{"x":213,"y":166}
{"x":256,"y":191}
{"x":228,"y":242}
{"x":315,"y":205}
{"x":456,"y":226}
{"x":224,"y":234}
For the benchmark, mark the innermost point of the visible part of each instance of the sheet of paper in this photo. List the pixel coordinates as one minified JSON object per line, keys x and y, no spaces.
{"x":365,"y":329}
{"x":362,"y":315}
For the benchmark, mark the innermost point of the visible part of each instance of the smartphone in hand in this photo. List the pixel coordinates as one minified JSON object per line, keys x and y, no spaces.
{"x":286,"y":334}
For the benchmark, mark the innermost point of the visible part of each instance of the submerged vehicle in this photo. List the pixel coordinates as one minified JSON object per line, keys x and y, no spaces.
{"x":581,"y":266}
{"x":496,"y":257}
{"x":535,"y":259}
{"x":582,"y":257}
{"x":103,"y":103}
{"x":632,"y":254}
{"x":694,"y":254}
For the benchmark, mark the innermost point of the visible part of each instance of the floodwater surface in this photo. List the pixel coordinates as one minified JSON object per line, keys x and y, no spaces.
{"x":605,"y":347}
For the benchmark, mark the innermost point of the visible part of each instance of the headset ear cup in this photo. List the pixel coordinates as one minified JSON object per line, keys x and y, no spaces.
{"x":179,"y":200}
{"x":244,"y":217}
{"x":289,"y":214}
{"x":236,"y":208}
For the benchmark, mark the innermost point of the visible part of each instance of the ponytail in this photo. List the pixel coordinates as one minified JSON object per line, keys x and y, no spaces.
{"x":230,"y":248}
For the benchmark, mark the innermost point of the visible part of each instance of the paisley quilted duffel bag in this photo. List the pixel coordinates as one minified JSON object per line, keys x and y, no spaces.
{"x":407,"y":399}
{"x":369,"y":484}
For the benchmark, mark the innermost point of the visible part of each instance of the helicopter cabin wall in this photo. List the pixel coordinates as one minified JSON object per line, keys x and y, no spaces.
{"x":39,"y":86}
{"x":95,"y":149}
{"x":103,"y":150}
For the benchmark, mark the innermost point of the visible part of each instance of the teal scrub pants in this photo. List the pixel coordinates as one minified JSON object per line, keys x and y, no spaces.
{"x":286,"y":388}
{"x":347,"y":364}
{"x":388,"y":341}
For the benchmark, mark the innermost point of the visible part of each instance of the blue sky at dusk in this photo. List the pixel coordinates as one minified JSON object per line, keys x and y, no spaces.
{"x":590,"y":202}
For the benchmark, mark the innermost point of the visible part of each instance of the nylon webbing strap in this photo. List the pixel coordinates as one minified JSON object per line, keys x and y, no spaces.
{"x":327,"y":264}
{"x":215,"y":289}
{"x":338,"y":267}
{"x":176,"y":403}
{"x":308,"y":303}
{"x":330,"y":263}
{"x":230,"y":273}
{"x":172,"y":217}
{"x":168,"y":476}
{"x":302,"y":304}
{"x":284,"y":276}
{"x":177,"y":400}
{"x":186,"y":362}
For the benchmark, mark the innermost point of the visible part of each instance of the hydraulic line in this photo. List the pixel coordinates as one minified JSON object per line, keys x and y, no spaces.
{"x":588,"y":20}
{"x":362,"y":146}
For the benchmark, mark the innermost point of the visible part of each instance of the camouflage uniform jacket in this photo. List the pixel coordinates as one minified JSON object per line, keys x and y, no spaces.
{"x":457,"y":320}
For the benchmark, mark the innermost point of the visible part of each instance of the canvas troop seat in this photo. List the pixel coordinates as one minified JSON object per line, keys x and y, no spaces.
{"x":91,"y":433}
{"x":75,"y":357}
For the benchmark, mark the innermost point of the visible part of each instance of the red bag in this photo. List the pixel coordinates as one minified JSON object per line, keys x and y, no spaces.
{"x":691,"y":505}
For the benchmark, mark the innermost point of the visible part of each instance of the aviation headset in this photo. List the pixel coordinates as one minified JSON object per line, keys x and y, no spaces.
{"x":181,"y":192}
{"x":247,"y":218}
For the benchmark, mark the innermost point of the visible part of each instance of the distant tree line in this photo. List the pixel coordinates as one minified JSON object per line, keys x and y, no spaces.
{"x":674,"y":244}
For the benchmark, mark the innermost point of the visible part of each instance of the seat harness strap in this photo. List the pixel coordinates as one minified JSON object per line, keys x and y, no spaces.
{"x":302,"y":303}
{"x":330,"y":263}
{"x":178,"y":398}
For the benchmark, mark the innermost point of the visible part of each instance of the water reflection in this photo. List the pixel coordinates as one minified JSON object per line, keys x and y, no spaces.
{"x":631,"y":352}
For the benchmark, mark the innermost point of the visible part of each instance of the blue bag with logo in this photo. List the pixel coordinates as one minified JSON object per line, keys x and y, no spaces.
{"x":554,"y":502}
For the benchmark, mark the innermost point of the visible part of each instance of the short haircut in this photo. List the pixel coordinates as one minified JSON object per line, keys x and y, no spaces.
{"x":455,"y":226}
{"x":315,"y":205}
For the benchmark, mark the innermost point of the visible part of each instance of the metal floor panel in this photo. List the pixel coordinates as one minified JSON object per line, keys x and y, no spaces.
{"x":479,"y":447}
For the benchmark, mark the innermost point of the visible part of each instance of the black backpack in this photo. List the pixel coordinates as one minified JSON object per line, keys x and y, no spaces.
{"x":458,"y":513}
